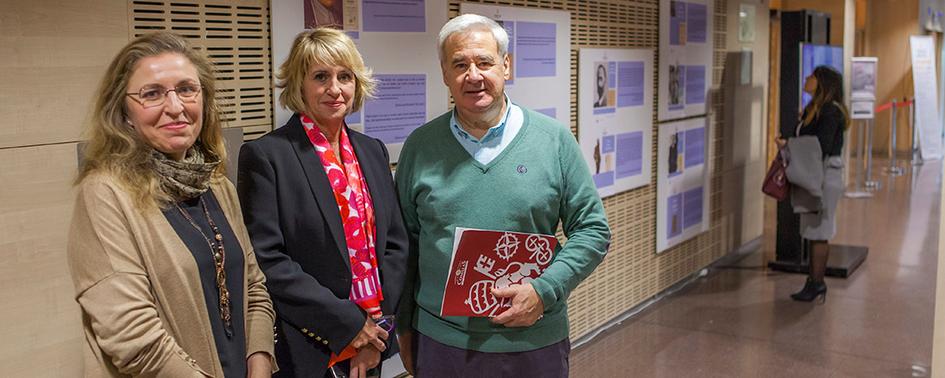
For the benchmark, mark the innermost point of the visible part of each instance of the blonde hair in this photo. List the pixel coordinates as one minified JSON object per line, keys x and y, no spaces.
{"x":322,"y":46}
{"x":116,"y":148}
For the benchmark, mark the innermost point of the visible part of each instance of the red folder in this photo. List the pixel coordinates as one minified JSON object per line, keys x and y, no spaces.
{"x":484,"y":259}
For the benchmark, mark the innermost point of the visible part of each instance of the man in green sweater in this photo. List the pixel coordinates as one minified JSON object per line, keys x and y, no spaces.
{"x":490,"y":164}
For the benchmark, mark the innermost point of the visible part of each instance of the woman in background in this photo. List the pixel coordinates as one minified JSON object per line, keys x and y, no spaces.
{"x":826,"y":118}
{"x":323,"y":215}
{"x":162,"y":265}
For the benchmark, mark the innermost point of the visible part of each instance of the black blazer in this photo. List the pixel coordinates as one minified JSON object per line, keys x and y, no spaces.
{"x":296,"y":231}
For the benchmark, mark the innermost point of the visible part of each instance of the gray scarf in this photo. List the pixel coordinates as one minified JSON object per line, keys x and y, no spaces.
{"x":188,"y":178}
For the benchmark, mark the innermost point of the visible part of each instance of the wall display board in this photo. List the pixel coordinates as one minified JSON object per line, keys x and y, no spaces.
{"x":615,"y":116}
{"x":685,"y":57}
{"x":926,"y":101}
{"x":397,"y":39}
{"x":863,"y":87}
{"x":539,"y":48}
{"x":682,"y":181}
{"x":813,"y":56}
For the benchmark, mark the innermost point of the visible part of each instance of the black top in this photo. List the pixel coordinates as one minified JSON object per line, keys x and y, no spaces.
{"x":828,"y":128}
{"x":230,"y":348}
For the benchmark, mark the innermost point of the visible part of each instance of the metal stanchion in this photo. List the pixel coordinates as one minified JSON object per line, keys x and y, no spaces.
{"x":916,"y":157}
{"x":860,"y":166}
{"x":869,"y":183}
{"x":893,"y":169}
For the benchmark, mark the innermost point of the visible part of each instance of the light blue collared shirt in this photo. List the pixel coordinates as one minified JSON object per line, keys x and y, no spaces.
{"x":497,"y":138}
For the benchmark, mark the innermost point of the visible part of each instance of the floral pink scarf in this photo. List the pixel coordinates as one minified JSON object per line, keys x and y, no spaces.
{"x":357,"y":213}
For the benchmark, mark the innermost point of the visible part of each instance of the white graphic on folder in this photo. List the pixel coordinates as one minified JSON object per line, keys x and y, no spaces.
{"x":483,"y":260}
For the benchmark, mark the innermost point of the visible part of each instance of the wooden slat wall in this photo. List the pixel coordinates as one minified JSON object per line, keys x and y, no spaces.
{"x":235,"y":35}
{"x":632,"y":272}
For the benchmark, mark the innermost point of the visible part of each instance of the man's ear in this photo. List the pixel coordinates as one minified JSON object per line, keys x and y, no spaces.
{"x":507,"y":63}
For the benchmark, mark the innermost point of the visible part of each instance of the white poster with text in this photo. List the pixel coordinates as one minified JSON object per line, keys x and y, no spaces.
{"x":615,"y":116}
{"x":682,"y":182}
{"x":685,"y":74}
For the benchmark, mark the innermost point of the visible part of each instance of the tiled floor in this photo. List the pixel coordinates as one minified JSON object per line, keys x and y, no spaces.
{"x":740,"y":322}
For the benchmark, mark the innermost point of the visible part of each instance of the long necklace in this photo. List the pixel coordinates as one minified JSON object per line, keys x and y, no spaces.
{"x":219,"y":261}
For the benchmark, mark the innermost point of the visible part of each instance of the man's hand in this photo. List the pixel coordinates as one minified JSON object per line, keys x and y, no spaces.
{"x":781,"y":142}
{"x":405,"y":340}
{"x":259,"y":365}
{"x":371,"y":335}
{"x":526,"y":308}
{"x":367,"y":358}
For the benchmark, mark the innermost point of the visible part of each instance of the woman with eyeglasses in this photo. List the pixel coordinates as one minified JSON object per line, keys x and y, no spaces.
{"x":323,"y":216}
{"x":164,"y":272}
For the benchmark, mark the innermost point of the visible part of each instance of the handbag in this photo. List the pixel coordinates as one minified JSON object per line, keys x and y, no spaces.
{"x":776,"y":184}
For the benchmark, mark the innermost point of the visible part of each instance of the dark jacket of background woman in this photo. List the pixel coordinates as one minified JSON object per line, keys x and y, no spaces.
{"x":297,"y":232}
{"x":828,"y":128}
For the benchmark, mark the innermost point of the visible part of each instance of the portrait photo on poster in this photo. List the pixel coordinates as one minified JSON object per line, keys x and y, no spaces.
{"x":323,"y":13}
{"x":601,"y":92}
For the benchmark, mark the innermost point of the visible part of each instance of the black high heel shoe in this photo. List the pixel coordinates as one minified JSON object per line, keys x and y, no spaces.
{"x":812,"y":290}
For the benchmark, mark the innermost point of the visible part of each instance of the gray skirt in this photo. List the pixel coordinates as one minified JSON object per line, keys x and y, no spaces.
{"x":822,"y":225}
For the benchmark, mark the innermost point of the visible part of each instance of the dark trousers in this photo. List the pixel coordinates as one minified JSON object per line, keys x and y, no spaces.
{"x":435,"y":360}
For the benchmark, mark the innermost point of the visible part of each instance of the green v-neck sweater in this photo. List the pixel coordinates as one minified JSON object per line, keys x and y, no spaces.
{"x":537,"y":182}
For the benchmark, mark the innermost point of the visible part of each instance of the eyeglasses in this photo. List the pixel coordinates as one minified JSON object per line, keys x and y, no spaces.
{"x":155,"y":95}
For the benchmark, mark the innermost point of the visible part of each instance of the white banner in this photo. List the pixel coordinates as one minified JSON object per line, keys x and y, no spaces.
{"x":927,"y":120}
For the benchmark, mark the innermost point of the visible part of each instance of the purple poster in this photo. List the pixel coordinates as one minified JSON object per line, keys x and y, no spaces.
{"x":353,"y":118}
{"x":535,"y":49}
{"x":551,"y":112}
{"x":608,"y":144}
{"x":630,"y":85}
{"x":629,"y":154}
{"x":399,"y":107}
{"x":695,"y":147}
{"x":393,"y":16}
{"x":695,"y":85}
{"x":692,"y":207}
{"x":677,"y":22}
{"x":604,"y":179}
{"x":674,"y":216}
{"x":696,"y":17}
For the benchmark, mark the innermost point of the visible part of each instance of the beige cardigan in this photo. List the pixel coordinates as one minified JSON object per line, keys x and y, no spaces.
{"x":143,"y":308}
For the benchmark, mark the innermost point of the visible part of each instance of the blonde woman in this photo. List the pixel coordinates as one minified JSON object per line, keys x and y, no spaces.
{"x":163,"y":268}
{"x":323,"y":216}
